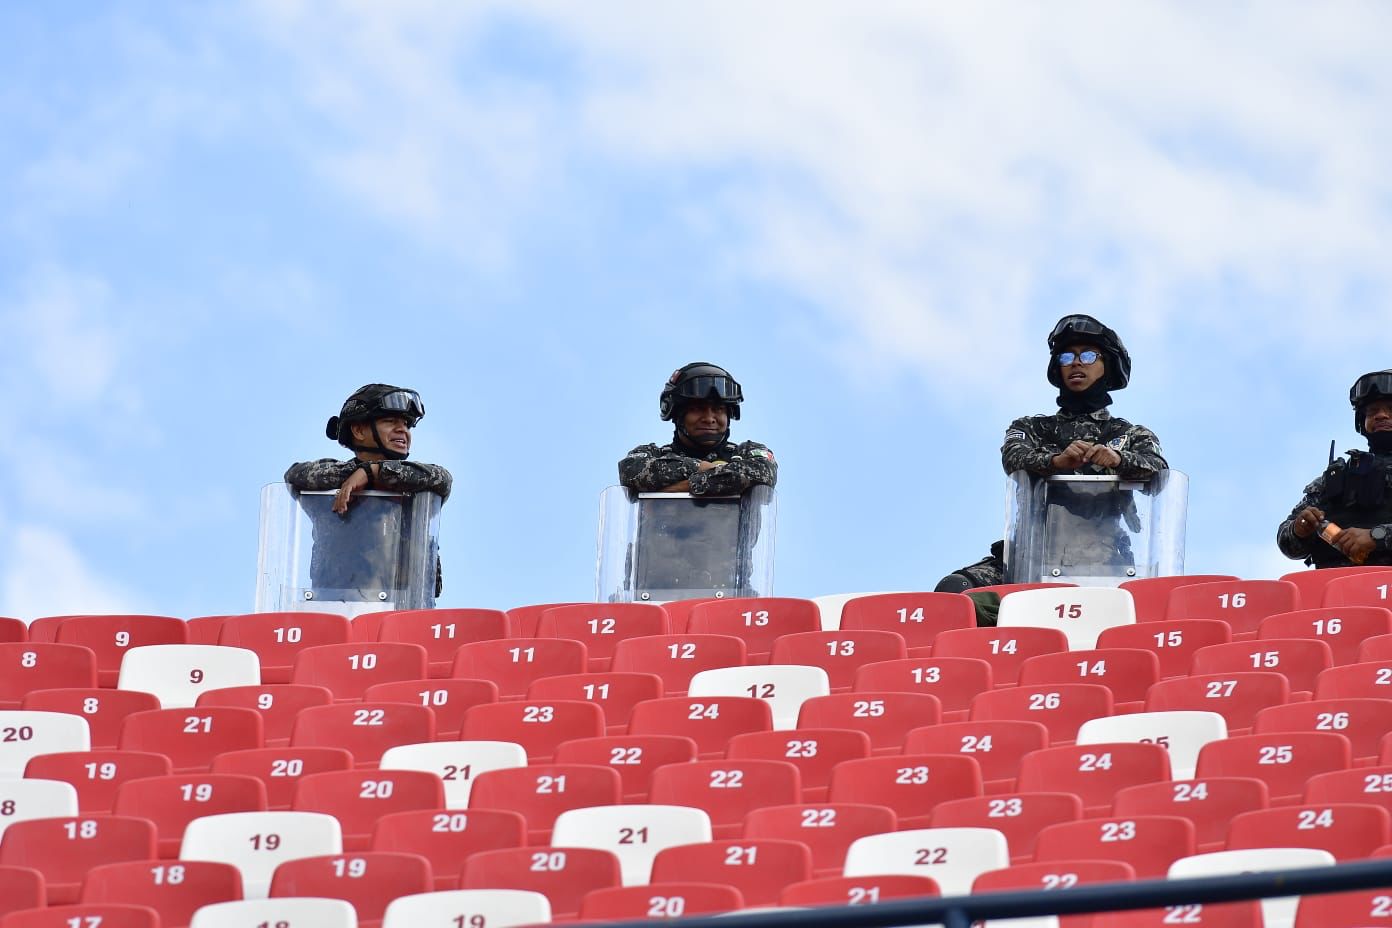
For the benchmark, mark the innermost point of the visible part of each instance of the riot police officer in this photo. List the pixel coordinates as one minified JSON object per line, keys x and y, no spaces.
{"x":1354,"y":492}
{"x":1087,"y":361}
{"x":699,"y":399}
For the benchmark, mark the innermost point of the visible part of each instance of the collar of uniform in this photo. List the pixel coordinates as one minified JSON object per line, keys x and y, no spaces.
{"x":1100,"y":415}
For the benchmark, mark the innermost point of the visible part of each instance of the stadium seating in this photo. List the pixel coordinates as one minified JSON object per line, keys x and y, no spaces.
{"x":1004,"y":649}
{"x":840,"y":653}
{"x":827,"y":829}
{"x":258,"y":842}
{"x":20,"y":888}
{"x":365,"y":729}
{"x":348,"y":670}
{"x":1148,"y":843}
{"x":103,"y":709}
{"x":1284,"y":761}
{"x":1312,"y":583}
{"x":541,"y":792}
{"x":538,"y":726}
{"x":24,"y":735}
{"x":109,"y":637}
{"x":449,"y":699}
{"x":783,"y":686}
{"x":321,"y":913}
{"x":104,"y":915}
{"x":615,"y":693}
{"x":1343,"y":628}
{"x":1018,"y":816}
{"x":918,"y":617}
{"x":174,"y":889}
{"x":1151,"y":595}
{"x":909,"y":784}
{"x":664,"y":900}
{"x":885,"y":717}
{"x":1241,"y":603}
{"x":277,"y":703}
{"x":564,"y":875}
{"x":12,"y":629}
{"x":759,"y":869}
{"x":360,"y":798}
{"x":280,"y":769}
{"x":447,"y":838}
{"x":1361,"y":588}
{"x":1247,"y":914}
{"x":1173,"y":641}
{"x":442,"y":631}
{"x":858,"y":890}
{"x":953,"y":681}
{"x":1081,"y":613}
{"x":96,"y":775}
{"x":1209,"y":803}
{"x":1180,"y":733}
{"x":1362,"y":721}
{"x":192,"y":738}
{"x":1276,"y":911}
{"x":1093,"y":772}
{"x":1372,"y":785}
{"x":489,"y":906}
{"x":178,"y":673}
{"x":678,"y":658}
{"x":1348,"y":830}
{"x":368,"y":880}
{"x":1051,"y":874}
{"x":710,"y":721}
{"x":29,"y":666}
{"x":65,"y":848}
{"x":512,"y":664}
{"x":1059,"y":707}
{"x":1299,"y":660}
{"x":1371,"y":680}
{"x":1236,"y":696}
{"x":601,"y":626}
{"x":1127,"y":672}
{"x":997,"y":746}
{"x":22,"y":800}
{"x":758,"y":621}
{"x":634,"y":757}
{"x":814,"y":751}
{"x":171,"y":802}
{"x":455,"y":763}
{"x":523,"y":620}
{"x":279,"y":637}
{"x":727,"y":790}
{"x":632,"y":833}
{"x":953,"y":857}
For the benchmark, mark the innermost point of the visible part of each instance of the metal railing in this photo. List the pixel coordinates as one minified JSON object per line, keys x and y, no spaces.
{"x":962,"y":911}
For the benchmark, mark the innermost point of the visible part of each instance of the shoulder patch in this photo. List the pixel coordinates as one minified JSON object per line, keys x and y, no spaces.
{"x":761,"y":453}
{"x":1116,"y":443}
{"x":1014,"y":433}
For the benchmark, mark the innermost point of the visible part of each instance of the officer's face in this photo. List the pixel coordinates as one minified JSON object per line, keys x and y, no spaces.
{"x":1377,"y":416}
{"x":705,"y":421}
{"x":1079,"y":376}
{"x":394,"y":431}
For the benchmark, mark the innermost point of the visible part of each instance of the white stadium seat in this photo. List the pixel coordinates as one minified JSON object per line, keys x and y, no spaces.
{"x":1277,"y":912}
{"x":457,"y":763}
{"x":952,"y":856}
{"x":616,"y":829}
{"x":1180,"y":732}
{"x":783,"y":686}
{"x":288,"y":912}
{"x":179,"y":673}
{"x":25,"y":734}
{"x":494,"y":908}
{"x":21,"y":800}
{"x":258,"y":842}
{"x":1080,"y":612}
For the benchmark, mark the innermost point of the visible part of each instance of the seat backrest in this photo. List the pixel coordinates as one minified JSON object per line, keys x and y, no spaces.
{"x":513,"y":663}
{"x":1093,"y":772}
{"x":456,"y":763}
{"x":1237,"y":696}
{"x":1241,"y":603}
{"x":174,"y":889}
{"x":663,"y":900}
{"x":1372,"y":680}
{"x":839,"y":653}
{"x":29,"y":666}
{"x":1365,"y":587}
{"x":490,"y":906}
{"x":563,"y":874}
{"x":1371,"y":785}
{"x":910,"y":784}
{"x":12,"y":629}
{"x":616,"y":693}
{"x":172,"y":801}
{"x":759,"y":869}
{"x":108,"y":915}
{"x":710,"y":721}
{"x":827,"y":828}
{"x":727,"y":790}
{"x":358,"y":798}
{"x":997,"y":745}
{"x":885,"y":717}
{"x":347,"y":670}
{"x":178,"y":673}
{"x":1060,"y":707}
{"x":758,"y":621}
{"x":1363,"y":721}
{"x":369,"y":880}
{"x":1127,"y":672}
{"x":601,"y":626}
{"x":1284,"y":761}
{"x":280,"y":769}
{"x":1312,"y":583}
{"x":366,"y":729}
{"x":678,"y":658}
{"x":1018,"y":816}
{"x":814,"y":751}
{"x":1081,"y":613}
{"x":1152,"y":594}
{"x":1208,"y":802}
{"x":104,"y":709}
{"x":918,"y":617}
{"x":63,"y":849}
{"x":22,"y":800}
{"x":1348,"y":830}
{"x":97,"y":775}
{"x":1276,"y":910}
{"x":1149,"y":843}
{"x":1343,"y":628}
{"x":1181,"y":733}
{"x":1005,"y":649}
{"x":279,"y":637}
{"x":539,"y":726}
{"x":277,"y":703}
{"x":1245,"y":914}
{"x":321,"y":913}
{"x":632,"y":833}
{"x":953,"y":681}
{"x":258,"y":842}
{"x":24,"y":735}
{"x":20,"y":888}
{"x":953,"y":857}
{"x":634,"y":757}
{"x":110,"y":636}
{"x":1054,"y":874}
{"x":541,"y":792}
{"x":448,"y":698}
{"x":192,"y":737}
{"x":1173,"y":641}
{"x":447,"y":837}
{"x":442,"y":631}
{"x":785,"y":687}
{"x":1299,"y":660}
{"x":523,"y":620}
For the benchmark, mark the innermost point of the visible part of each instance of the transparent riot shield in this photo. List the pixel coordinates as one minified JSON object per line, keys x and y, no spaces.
{"x":1094,"y":530}
{"x":379,"y":555}
{"x":657,"y":547}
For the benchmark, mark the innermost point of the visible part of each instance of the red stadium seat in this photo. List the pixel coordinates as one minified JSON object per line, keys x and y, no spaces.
{"x":1005,"y":649}
{"x":1018,"y":816}
{"x":204,"y":629}
{"x":359,"y":798}
{"x":191,"y":738}
{"x":710,"y":721}
{"x":523,"y":620}
{"x":45,"y":627}
{"x":538,"y":726}
{"x":513,"y":663}
{"x":366,"y":729}
{"x":1371,"y":785}
{"x":1362,"y":721}
{"x":760,"y":870}
{"x":13,"y":630}
{"x":827,"y":829}
{"x":678,"y":658}
{"x":174,"y":889}
{"x":277,"y":703}
{"x":1152,"y":594}
{"x":1127,"y":672}
{"x":85,"y":914}
{"x":1365,"y":587}
{"x":1377,"y":648}
{"x":20,"y":888}
{"x":840,"y":653}
{"x":64,"y":849}
{"x":859,"y":890}
{"x":954,"y":681}
{"x":29,"y":666}
{"x":1241,"y":603}
{"x":918,"y":617}
{"x":1173,"y":641}
{"x":105,"y":710}
{"x":758,"y":621}
{"x":171,"y":802}
{"x":1210,"y":803}
{"x":601,"y":626}
{"x":663,"y":900}
{"x":449,"y":699}
{"x":727,"y":790}
{"x":110,"y":636}
{"x":1054,"y":874}
{"x":1358,"y":909}
{"x":278,"y":638}
{"x":1093,"y":772}
{"x":1343,"y":628}
{"x":1247,"y":914}
{"x":1059,"y":707}
{"x":1299,"y":660}
{"x":1312,"y":583}
{"x":1348,"y":830}
{"x":679,"y":612}
{"x":615,"y":693}
{"x":1148,"y":843}
{"x":540,"y":792}
{"x":369,"y":880}
{"x":442,"y":631}
{"x":445,"y":838}
{"x":347,"y":670}
{"x":1284,"y":761}
{"x":563,"y":874}
{"x":997,"y":746}
{"x":815,"y":753}
{"x":97,"y":775}
{"x":909,"y":784}
{"x":634,"y":757}
{"x":885,"y":717}
{"x":1371,"y":680}
{"x":280,"y":769}
{"x":1237,"y":697}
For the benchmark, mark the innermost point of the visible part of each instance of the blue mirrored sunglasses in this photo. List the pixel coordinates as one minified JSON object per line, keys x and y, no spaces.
{"x":1066,"y":358}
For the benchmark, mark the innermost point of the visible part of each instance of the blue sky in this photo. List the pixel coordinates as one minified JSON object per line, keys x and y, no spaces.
{"x":217,"y":221}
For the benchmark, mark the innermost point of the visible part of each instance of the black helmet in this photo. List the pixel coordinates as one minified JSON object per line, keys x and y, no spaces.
{"x":1079,"y":328}
{"x":370,"y":403}
{"x":699,"y":380}
{"x":1371,"y":386}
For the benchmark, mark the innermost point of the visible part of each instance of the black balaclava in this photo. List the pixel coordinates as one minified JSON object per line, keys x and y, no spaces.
{"x":1092,"y":399}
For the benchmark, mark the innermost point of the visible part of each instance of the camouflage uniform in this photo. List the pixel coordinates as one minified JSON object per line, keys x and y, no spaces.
{"x":652,"y":468}
{"x":338,"y":561}
{"x":1353,"y":492}
{"x":1032,"y":441}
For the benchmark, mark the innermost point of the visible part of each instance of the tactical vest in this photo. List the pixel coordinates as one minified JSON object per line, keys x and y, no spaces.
{"x":1357,"y":494}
